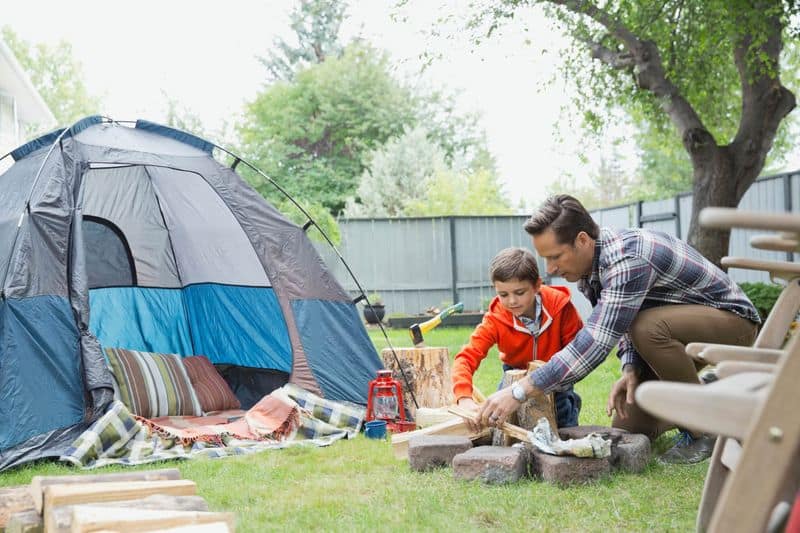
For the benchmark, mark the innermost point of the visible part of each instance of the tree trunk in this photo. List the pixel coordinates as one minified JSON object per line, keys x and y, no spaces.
{"x":713,"y":171}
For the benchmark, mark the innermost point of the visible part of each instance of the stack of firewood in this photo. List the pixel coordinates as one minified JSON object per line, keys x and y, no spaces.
{"x":156,"y":500}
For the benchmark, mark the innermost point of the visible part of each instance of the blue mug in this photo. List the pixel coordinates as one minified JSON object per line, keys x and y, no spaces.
{"x":375,"y":429}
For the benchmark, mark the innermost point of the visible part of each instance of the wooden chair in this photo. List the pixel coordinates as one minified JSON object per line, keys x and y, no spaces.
{"x":756,"y":461}
{"x":774,"y":331}
{"x":758,"y":410}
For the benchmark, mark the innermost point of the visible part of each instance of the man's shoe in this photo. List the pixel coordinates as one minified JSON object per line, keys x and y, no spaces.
{"x":688,"y":450}
{"x":709,"y":376}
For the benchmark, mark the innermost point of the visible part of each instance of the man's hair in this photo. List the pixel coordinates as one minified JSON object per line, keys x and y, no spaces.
{"x":514,"y":263}
{"x":566,"y":216}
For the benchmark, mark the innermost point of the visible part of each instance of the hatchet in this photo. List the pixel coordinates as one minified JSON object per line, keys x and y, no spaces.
{"x":418,"y":330}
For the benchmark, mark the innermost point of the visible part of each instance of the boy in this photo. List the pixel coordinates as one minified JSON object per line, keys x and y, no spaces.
{"x":527,"y":321}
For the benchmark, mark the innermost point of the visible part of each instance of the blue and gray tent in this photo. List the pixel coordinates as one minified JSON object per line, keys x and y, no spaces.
{"x":135,"y":236}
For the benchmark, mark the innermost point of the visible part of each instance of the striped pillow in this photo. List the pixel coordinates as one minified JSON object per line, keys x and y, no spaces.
{"x":153,"y":384}
{"x":212,"y":390}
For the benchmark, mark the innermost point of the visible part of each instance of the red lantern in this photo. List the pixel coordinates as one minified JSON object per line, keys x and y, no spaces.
{"x":385,"y":402}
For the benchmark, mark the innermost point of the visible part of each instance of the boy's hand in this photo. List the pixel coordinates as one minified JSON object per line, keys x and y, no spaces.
{"x":470,"y":405}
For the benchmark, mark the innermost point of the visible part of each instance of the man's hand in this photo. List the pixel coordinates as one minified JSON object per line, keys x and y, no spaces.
{"x":469,"y":404}
{"x":499,"y":406}
{"x":621,"y":394}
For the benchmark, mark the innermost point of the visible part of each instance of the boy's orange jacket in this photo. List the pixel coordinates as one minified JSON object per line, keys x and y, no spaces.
{"x":518,"y":347}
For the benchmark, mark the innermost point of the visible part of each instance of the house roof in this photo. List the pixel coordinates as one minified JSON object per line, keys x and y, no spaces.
{"x":31,"y":108}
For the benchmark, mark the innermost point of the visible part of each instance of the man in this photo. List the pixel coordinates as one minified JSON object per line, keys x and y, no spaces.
{"x":651,"y":293}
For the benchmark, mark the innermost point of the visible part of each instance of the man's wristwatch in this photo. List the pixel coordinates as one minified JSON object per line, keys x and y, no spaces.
{"x":518,"y":392}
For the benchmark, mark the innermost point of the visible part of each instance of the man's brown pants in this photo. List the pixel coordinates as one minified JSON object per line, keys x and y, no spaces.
{"x":660,"y":335}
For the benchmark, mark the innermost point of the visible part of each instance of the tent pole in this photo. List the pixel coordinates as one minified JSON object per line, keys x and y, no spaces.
{"x":330,"y":243}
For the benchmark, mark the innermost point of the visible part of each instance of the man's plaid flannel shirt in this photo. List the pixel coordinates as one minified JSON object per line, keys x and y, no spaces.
{"x":637,"y":269}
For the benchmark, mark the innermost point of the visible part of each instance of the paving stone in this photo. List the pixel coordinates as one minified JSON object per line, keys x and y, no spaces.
{"x":491,"y":464}
{"x":630,"y":452}
{"x":633,"y":453}
{"x":427,"y":452}
{"x":568,"y":470}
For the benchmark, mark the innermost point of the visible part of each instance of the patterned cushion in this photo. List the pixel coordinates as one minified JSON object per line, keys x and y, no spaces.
{"x":153,"y":384}
{"x":212,"y":391}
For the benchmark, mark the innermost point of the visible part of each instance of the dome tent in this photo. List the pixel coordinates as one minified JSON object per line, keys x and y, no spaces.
{"x":134,"y":236}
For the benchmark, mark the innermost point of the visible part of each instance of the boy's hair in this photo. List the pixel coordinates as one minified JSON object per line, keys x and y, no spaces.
{"x":566,"y":216}
{"x":514,"y":263}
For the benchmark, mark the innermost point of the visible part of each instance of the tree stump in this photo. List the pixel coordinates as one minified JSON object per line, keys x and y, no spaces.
{"x":537,"y":406}
{"x":428,"y":374}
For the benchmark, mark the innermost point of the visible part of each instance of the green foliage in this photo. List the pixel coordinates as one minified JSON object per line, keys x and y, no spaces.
{"x":374,"y":298}
{"x":399,"y":173}
{"x":458,"y":193}
{"x":410,"y":176}
{"x":763,"y":296}
{"x":664,"y":166}
{"x":57,"y":75}
{"x":312,"y":135}
{"x":695,"y":40}
{"x":316,"y":26}
{"x":459,"y":135}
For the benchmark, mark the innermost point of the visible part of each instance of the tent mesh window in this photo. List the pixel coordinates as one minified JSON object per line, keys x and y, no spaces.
{"x":109,"y":262}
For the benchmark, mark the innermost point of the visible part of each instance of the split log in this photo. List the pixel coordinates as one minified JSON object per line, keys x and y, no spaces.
{"x":539,"y":405}
{"x":25,"y":522}
{"x":38,"y":483}
{"x":73,"y":494}
{"x":216,"y":527}
{"x":511,"y":430}
{"x":428,"y":373}
{"x":456,"y":426}
{"x":528,"y":414}
{"x":430,"y":416}
{"x":88,"y":518}
{"x":14,"y":500}
{"x":62,"y":516}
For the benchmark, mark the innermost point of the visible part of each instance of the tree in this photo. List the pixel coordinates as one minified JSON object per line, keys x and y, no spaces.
{"x":312,"y":135}
{"x":461,"y":193}
{"x":399,"y":173}
{"x":57,"y":75}
{"x":410,"y":176}
{"x":316,"y":25}
{"x":710,"y":68}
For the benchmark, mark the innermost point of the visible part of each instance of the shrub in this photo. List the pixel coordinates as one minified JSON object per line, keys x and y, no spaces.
{"x":763,"y":295}
{"x":374,"y":298}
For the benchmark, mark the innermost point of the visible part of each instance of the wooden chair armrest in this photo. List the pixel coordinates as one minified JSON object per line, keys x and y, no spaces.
{"x":725,"y":218}
{"x":725,"y":407}
{"x":776,"y":243}
{"x":777,"y":269}
{"x":716,"y":353}
{"x":728,"y":368}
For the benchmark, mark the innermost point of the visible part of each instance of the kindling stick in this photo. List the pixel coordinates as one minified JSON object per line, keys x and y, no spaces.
{"x":509,"y":429}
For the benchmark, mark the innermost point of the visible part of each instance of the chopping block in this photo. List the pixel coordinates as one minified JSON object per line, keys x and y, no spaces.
{"x":427,"y":370}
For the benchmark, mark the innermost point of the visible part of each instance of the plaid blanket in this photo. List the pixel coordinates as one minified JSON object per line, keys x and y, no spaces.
{"x":289,"y":416}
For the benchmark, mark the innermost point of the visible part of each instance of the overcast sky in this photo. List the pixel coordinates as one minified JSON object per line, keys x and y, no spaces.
{"x":204,"y":55}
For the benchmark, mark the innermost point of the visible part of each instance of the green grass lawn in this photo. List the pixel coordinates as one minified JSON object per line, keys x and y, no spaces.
{"x":357,"y":485}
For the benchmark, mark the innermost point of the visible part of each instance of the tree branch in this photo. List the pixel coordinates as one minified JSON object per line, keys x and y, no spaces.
{"x":651,"y":76}
{"x":765,"y":101}
{"x":617,"y":60}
